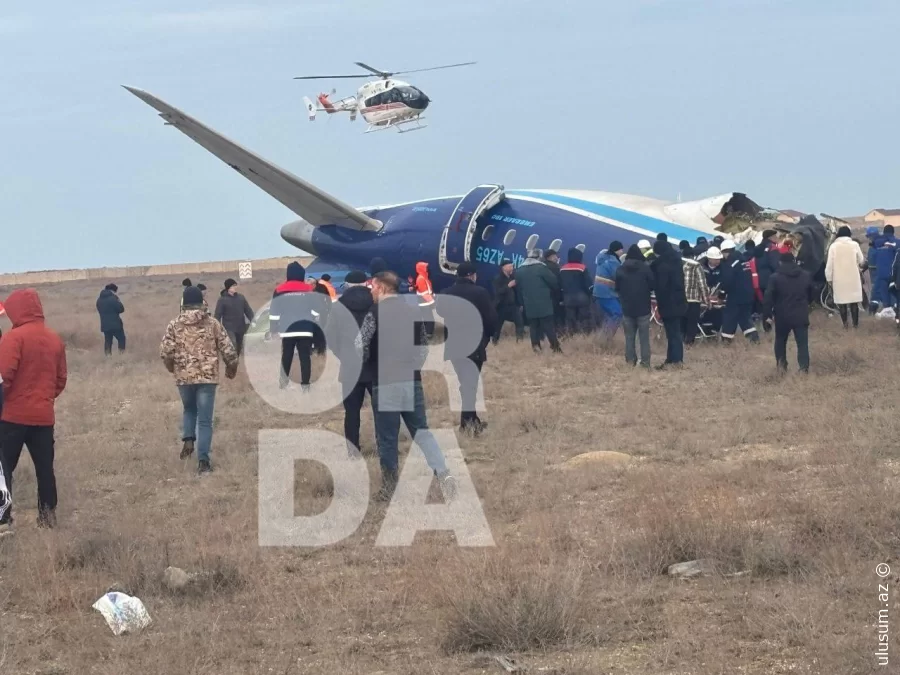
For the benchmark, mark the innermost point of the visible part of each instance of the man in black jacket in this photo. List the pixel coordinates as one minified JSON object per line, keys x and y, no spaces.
{"x":234,"y":313}
{"x":788,"y":297}
{"x":355,"y":380}
{"x":466,"y":289}
{"x":551,"y":260}
{"x":671,"y":301}
{"x":110,"y":309}
{"x":634,"y":284}
{"x":505,"y":301}
{"x":577,"y":285}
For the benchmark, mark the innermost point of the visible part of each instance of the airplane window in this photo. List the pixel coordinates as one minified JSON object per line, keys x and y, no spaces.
{"x":508,"y":239}
{"x":555,"y":245}
{"x":581,"y":247}
{"x":488,"y":231}
{"x":531,"y":243}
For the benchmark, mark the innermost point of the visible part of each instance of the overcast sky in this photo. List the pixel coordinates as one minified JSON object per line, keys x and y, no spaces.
{"x":791,"y":101}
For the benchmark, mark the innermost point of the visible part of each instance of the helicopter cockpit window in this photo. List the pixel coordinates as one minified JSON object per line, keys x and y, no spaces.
{"x":555,"y":245}
{"x":488,"y":231}
{"x":508,"y":239}
{"x":581,"y":247}
{"x":531,"y":243}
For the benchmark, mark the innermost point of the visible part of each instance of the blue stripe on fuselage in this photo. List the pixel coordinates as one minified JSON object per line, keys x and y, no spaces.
{"x":652,"y":226}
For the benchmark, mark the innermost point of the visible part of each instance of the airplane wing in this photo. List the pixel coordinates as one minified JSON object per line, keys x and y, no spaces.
{"x":315,"y":206}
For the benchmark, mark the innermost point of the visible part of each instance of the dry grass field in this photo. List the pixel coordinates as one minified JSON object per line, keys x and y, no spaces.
{"x":787,"y":486}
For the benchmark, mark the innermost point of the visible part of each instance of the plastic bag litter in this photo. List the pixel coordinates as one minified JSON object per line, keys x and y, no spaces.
{"x":123,"y":613}
{"x":886,"y":313}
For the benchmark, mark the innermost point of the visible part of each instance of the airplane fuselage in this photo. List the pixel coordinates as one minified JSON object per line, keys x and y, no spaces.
{"x":525,"y":219}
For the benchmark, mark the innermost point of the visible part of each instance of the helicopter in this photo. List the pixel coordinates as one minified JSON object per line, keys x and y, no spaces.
{"x":384,"y":103}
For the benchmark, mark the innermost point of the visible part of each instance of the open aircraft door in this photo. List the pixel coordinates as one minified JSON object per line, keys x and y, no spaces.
{"x":459,"y":233}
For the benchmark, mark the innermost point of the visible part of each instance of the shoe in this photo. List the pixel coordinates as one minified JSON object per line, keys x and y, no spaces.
{"x":449,"y":487}
{"x":304,"y":388}
{"x":662,"y":366}
{"x":187,"y":449}
{"x":536,"y":350}
{"x":47,"y":519}
{"x":388,"y":485}
{"x":557,"y":350}
{"x":495,"y":341}
{"x":204,"y":468}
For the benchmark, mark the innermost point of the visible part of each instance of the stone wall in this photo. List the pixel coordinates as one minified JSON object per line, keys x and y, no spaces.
{"x":112,"y":273}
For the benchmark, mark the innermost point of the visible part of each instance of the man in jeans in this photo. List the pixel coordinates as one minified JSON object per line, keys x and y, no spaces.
{"x":788,"y":297}
{"x":33,"y":372}
{"x":634,"y":284}
{"x":395,"y":361}
{"x":190,"y":350}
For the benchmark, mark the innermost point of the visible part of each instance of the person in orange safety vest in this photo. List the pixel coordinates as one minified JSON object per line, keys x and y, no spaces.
{"x":423,"y":285}
{"x":325,"y":280}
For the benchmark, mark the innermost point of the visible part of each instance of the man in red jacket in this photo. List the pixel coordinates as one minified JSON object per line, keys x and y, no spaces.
{"x":33,"y":369}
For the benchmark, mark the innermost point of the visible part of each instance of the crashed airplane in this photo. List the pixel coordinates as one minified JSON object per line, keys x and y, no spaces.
{"x":484,"y":226}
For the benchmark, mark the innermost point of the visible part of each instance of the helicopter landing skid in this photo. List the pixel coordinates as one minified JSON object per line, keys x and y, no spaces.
{"x":399,"y":126}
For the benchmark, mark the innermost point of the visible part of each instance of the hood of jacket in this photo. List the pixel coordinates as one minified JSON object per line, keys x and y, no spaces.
{"x":357,"y":299}
{"x":531,"y":261}
{"x":192,"y":315}
{"x":422,"y":269}
{"x":630,"y":264}
{"x":24,"y":306}
{"x":106,"y":293}
{"x":789,"y":269}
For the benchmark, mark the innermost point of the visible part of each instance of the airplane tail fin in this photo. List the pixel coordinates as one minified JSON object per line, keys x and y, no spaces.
{"x":327,"y":105}
{"x":310,"y":108}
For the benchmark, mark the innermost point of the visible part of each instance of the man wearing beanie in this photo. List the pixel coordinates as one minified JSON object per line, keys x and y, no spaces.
{"x":466,"y":288}
{"x":576,"y":283}
{"x":190,"y":350}
{"x":110,"y":309}
{"x":297,"y":315}
{"x":606,"y":298}
{"x":234,"y":313}
{"x":355,"y":381}
{"x":506,"y":302}
{"x":788,"y":297}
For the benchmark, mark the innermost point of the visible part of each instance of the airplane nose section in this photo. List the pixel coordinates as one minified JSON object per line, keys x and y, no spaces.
{"x":300,"y":234}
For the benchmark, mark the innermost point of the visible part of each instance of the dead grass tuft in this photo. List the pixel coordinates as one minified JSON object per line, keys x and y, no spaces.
{"x":515,"y":607}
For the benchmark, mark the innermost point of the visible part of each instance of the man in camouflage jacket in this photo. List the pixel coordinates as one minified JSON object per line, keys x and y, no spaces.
{"x":190,"y":349}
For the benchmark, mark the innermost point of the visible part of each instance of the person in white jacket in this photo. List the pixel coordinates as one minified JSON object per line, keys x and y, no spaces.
{"x":842,"y":271}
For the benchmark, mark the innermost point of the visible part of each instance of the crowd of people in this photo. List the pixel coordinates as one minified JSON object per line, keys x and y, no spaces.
{"x":707,"y":289}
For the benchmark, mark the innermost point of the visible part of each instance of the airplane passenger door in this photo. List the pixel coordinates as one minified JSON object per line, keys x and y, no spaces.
{"x":459,"y":232}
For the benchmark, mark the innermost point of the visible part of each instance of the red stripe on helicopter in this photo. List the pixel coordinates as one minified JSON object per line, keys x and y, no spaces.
{"x":384,"y":106}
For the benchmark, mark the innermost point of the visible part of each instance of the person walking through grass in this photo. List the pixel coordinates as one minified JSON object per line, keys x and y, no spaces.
{"x":234,"y":313}
{"x":190,"y":350}
{"x":34,"y":373}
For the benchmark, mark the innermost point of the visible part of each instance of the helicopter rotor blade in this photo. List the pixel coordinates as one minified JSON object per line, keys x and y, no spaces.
{"x":332,"y":77}
{"x":422,"y":70}
{"x":381,"y":73}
